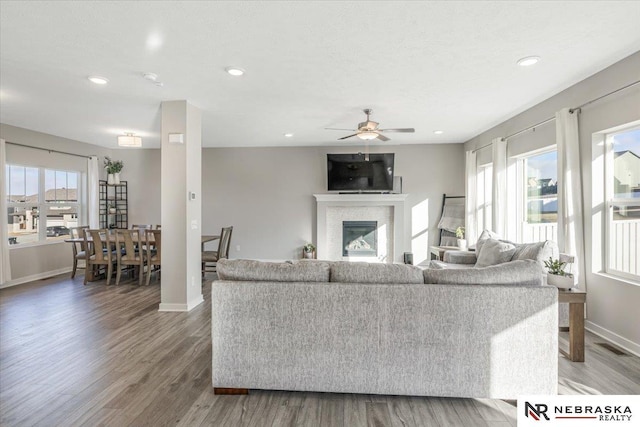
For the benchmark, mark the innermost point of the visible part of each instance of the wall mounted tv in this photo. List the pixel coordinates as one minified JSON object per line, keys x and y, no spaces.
{"x":360,"y":172}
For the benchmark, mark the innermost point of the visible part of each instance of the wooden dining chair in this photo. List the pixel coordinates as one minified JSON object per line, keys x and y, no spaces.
{"x":79,"y":248}
{"x":154,"y":252}
{"x":127,"y":254}
{"x":212,"y":257}
{"x":142,"y":226}
{"x":98,"y":252}
{"x":158,"y":226}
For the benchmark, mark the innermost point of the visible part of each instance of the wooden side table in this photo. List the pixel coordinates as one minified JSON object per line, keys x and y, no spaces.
{"x":576,"y":300}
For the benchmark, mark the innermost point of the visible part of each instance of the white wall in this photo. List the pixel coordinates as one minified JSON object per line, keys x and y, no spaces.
{"x":266,"y":194}
{"x":612,"y":304}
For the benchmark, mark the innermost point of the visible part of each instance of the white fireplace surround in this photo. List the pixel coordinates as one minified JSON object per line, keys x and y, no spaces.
{"x":395,"y":203}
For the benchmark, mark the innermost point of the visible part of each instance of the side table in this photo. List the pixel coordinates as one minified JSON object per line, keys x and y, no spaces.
{"x":576,"y":300}
{"x":437,"y":252}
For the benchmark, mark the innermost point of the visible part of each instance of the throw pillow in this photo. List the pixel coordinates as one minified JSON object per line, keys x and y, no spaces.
{"x":540,"y":251}
{"x":495,"y":252}
{"x":486,"y":235}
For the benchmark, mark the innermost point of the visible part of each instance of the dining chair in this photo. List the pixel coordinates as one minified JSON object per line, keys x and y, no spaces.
{"x":222,"y":252}
{"x":79,"y":248}
{"x":158,"y":226}
{"x":127,"y":254}
{"x":98,"y":252}
{"x":142,"y":226}
{"x":154,"y":252}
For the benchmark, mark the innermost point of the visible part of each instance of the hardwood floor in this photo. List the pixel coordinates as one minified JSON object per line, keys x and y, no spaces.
{"x":96,"y":355}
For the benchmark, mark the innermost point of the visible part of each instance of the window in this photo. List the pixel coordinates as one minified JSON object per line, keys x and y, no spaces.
{"x":622,"y":173}
{"x":539,"y":197}
{"x":35,"y":193}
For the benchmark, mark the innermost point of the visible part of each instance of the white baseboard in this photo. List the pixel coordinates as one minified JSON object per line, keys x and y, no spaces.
{"x":616,"y":339}
{"x":34,"y":277}
{"x":181,"y":307}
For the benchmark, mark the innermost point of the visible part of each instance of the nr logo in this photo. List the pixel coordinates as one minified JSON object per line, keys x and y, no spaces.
{"x":536,"y":411}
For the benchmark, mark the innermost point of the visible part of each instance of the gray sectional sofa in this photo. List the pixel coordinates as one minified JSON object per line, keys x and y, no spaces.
{"x":384,"y":329}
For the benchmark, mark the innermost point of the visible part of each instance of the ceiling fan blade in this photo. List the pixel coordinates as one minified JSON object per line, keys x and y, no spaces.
{"x":406,"y":130}
{"x":381,"y":137}
{"x":352,"y":130}
{"x":345,"y":137}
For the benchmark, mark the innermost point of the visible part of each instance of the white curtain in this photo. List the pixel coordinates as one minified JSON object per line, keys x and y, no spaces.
{"x":471,"y":191}
{"x":499,"y":202}
{"x":5,"y":265}
{"x":570,"y":219}
{"x":93,"y":175}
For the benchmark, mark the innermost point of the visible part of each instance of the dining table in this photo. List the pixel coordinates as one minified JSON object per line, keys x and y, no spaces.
{"x":137,"y":238}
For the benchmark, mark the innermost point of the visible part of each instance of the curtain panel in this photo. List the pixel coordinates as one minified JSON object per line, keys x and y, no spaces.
{"x":93,"y":175}
{"x":499,"y":203}
{"x":471,"y":191}
{"x":570,"y":216}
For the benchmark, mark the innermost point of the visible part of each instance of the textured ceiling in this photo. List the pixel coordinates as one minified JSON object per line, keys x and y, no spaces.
{"x":309,"y":65}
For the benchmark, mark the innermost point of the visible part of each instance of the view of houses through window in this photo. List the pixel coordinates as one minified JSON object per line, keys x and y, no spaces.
{"x":36,"y":193}
{"x":540,"y":220}
{"x":623,"y":198}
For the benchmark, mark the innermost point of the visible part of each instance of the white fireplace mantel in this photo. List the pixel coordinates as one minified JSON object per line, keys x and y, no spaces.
{"x":395,"y":201}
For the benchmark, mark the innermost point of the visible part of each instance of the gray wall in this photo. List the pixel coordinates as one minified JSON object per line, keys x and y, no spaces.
{"x":612,"y":304}
{"x":267,"y":193}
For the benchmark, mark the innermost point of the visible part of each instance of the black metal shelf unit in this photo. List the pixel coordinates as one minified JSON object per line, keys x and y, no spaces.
{"x":114,"y":205}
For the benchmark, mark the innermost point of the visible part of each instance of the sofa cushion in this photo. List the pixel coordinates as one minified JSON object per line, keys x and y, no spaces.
{"x":261,"y":271}
{"x":495,"y":252}
{"x":525,"y":272}
{"x":364,"y":272}
{"x":540,"y":251}
{"x":460,"y":257}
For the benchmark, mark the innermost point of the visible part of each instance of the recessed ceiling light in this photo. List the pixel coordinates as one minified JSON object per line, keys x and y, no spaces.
{"x":528,"y":61}
{"x":234,"y":71}
{"x":98,"y":80}
{"x":288,"y":135}
{"x":153,"y":77}
{"x":438,"y":132}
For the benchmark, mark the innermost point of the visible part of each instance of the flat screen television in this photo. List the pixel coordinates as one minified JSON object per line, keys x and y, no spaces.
{"x":357,"y":172}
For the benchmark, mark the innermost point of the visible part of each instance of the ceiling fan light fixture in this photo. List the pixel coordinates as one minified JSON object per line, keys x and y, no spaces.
{"x":367,"y":135}
{"x":129,"y":140}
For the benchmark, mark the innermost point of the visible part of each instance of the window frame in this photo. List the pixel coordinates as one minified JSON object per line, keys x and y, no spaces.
{"x":610,"y":201}
{"x":521,"y":193}
{"x":45,"y":207}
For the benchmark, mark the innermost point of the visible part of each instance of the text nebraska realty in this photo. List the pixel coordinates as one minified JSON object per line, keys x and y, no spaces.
{"x":601,"y":413}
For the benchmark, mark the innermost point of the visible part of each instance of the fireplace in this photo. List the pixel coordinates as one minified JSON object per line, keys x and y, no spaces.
{"x":360,"y":238}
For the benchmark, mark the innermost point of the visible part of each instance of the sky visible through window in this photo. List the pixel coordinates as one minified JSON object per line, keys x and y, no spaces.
{"x":627,"y":141}
{"x":543,"y":166}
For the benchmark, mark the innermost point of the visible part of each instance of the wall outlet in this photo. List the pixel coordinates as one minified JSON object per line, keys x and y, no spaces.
{"x":194,"y":224}
{"x":237,"y":248}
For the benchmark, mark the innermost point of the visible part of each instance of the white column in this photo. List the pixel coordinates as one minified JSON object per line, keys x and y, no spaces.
{"x":181,"y":216}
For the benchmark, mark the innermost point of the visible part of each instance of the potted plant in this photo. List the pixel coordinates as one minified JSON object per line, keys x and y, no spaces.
{"x":462,"y":243}
{"x":113,"y":168}
{"x":557,"y":276}
{"x":309,"y":251}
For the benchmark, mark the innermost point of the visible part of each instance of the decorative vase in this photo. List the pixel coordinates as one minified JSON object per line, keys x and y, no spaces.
{"x":309,"y":255}
{"x":561,"y":282}
{"x":462,"y":244}
{"x":116,"y":178}
{"x":110,"y":179}
{"x":112,"y":210}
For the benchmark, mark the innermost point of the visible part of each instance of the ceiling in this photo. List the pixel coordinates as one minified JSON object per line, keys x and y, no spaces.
{"x":447,"y":66}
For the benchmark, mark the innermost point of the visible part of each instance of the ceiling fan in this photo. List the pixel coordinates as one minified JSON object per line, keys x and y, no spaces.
{"x":369,"y":129}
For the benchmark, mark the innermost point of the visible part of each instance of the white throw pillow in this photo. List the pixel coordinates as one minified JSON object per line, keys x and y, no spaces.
{"x":495,"y":252}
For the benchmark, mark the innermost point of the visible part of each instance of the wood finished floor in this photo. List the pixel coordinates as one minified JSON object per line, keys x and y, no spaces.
{"x":74,"y":355}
